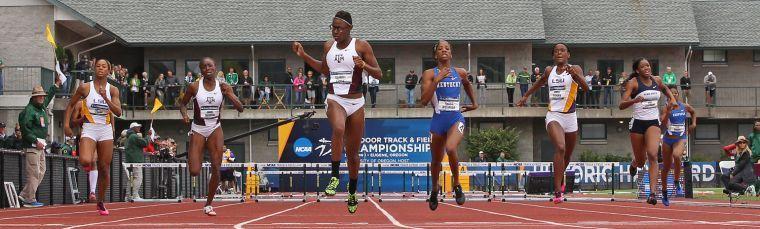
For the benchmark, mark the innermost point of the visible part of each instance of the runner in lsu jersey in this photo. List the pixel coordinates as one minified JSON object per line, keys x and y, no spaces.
{"x":441,"y":87}
{"x":101,"y":103}
{"x":643,"y":93}
{"x":345,"y":61}
{"x":674,"y":140}
{"x":208,"y":96}
{"x":561,"y":123}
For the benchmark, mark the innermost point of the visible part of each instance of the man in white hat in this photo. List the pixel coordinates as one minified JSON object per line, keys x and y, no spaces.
{"x":134,"y":154}
{"x":33,"y":122}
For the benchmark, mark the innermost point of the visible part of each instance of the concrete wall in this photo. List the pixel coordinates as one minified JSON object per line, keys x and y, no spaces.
{"x":588,"y":56}
{"x":23,"y":43}
{"x":739,"y":71}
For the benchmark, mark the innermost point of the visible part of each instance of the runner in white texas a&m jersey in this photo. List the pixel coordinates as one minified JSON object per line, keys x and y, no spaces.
{"x":345,"y":60}
{"x":208,"y":95}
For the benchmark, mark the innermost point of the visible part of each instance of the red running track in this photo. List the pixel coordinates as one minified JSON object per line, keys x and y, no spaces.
{"x":374,"y":214}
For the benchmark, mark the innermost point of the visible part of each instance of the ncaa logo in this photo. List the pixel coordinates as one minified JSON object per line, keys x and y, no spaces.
{"x":302,"y":147}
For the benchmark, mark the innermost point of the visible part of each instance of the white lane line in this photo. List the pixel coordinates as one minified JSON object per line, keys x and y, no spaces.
{"x":147,"y":216}
{"x":78,"y":212}
{"x":240,"y":225}
{"x":518,"y":217}
{"x":671,"y":209}
{"x":389,"y":216}
{"x":625,"y":214}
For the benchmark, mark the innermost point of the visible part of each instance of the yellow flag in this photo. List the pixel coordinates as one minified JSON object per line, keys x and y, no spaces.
{"x":49,"y":36}
{"x":156,"y":105}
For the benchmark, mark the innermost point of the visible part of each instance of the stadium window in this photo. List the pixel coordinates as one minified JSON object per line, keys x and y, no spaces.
{"x":707,"y":132}
{"x":388,"y":65}
{"x":756,"y":55}
{"x":272,"y":134}
{"x":427,"y":63}
{"x":238,"y":64}
{"x":156,"y":67}
{"x":275,"y":69}
{"x":192,"y":65}
{"x":493,"y":68}
{"x":593,"y":131}
{"x":714,"y":56}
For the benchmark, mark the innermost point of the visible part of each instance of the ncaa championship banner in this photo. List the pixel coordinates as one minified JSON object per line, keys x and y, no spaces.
{"x":384,"y":141}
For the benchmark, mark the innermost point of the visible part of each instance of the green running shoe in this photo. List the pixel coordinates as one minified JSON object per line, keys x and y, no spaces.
{"x":352,"y":203}
{"x":330,"y":190}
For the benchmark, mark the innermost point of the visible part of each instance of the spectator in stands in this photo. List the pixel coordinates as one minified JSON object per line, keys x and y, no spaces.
{"x":145,"y":89}
{"x":15,"y":141}
{"x":2,"y":131}
{"x":411,"y":83}
{"x":481,"y":157}
{"x":2,"y":65}
{"x":172,"y":88}
{"x":534,"y":77}
{"x":742,"y":176}
{"x":161,"y":88}
{"x":311,"y":88}
{"x":608,"y":81}
{"x":595,"y":89}
{"x":189,"y":78}
{"x":710,"y":81}
{"x":481,"y":86}
{"x":220,"y":76}
{"x":622,"y":80}
{"x":587,"y":94}
{"x":299,"y":88}
{"x":34,"y":122}
{"x":227,"y":173}
{"x":523,"y":78}
{"x":669,"y":78}
{"x":323,"y":85}
{"x":265,"y":90}
{"x":83,"y":67}
{"x":685,"y":85}
{"x":510,"y":80}
{"x":288,"y":82}
{"x":247,"y":90}
{"x":754,"y":142}
{"x":232,"y":79}
{"x":135,"y":154}
{"x":122,"y":140}
{"x":373,"y":86}
{"x":502,"y":157}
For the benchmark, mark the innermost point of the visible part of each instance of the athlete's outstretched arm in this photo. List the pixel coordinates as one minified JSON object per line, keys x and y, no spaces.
{"x":575,"y":71}
{"x":430,"y":83}
{"x":534,"y":88}
{"x":314,"y":63}
{"x":626,"y":100}
{"x":228,"y":93}
{"x":693,"y":113}
{"x":368,"y":62}
{"x":191,"y":90}
{"x":78,"y":95}
{"x":467,"y":85}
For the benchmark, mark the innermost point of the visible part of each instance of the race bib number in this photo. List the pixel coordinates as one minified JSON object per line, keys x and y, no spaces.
{"x":208,"y":114}
{"x":341,"y":77}
{"x":448,"y":105}
{"x":649,"y":104}
{"x":557,"y":95}
{"x":676,"y":128}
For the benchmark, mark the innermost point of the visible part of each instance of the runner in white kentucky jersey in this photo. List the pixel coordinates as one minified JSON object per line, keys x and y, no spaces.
{"x":208,"y":96}
{"x":345,"y":60}
{"x":101,"y":103}
{"x":561,"y":121}
{"x":643,"y":93}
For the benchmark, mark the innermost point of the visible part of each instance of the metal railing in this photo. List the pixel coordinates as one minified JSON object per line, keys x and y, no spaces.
{"x":20,"y":80}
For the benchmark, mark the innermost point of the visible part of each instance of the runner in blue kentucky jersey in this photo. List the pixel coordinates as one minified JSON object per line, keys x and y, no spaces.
{"x":441,"y":87}
{"x":674,"y":141}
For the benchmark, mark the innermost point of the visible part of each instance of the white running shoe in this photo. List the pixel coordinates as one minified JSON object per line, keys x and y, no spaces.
{"x":750,"y":190}
{"x":208,"y":210}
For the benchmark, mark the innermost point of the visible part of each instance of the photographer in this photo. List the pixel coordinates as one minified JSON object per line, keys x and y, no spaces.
{"x":742,"y":176}
{"x":135,"y":154}
{"x":228,"y":174}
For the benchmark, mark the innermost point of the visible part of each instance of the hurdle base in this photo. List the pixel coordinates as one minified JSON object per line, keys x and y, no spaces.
{"x":155,"y":200}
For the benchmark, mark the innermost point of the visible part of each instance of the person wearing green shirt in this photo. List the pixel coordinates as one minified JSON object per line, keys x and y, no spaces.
{"x":669,"y":78}
{"x":511,"y":80}
{"x":134,"y":154}
{"x":232,"y":79}
{"x":502,"y":158}
{"x":523,"y":78}
{"x":34,"y":122}
{"x":754,"y":141}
